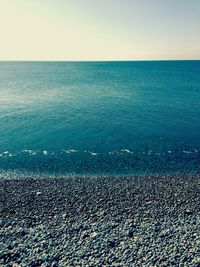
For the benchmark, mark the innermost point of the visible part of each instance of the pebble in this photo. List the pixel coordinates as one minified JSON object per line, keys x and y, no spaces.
{"x":188,"y":212}
{"x":130,"y":233}
{"x":94,"y":234}
{"x":71,"y":227}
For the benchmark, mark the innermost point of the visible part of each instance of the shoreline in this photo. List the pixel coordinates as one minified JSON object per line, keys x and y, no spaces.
{"x":149,"y":220}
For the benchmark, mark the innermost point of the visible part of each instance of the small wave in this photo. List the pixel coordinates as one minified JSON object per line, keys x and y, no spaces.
{"x":187,"y":152}
{"x":127,"y":151}
{"x":113,"y":152}
{"x":70,"y":151}
{"x":4,"y":153}
{"x":91,"y":153}
{"x":29,"y":151}
{"x":7,"y":154}
{"x":120,"y":152}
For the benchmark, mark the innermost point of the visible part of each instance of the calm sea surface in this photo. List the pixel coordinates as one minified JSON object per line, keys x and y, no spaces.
{"x":100,"y":117}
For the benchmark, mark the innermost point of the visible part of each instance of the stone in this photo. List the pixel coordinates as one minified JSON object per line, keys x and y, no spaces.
{"x":188,"y":212}
{"x":130,"y":233}
{"x":111,"y":243}
{"x":1,"y":223}
{"x":94,"y":234}
{"x":64,"y":215}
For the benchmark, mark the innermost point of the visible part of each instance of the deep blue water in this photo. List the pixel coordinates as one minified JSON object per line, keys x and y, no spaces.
{"x":100,"y":117}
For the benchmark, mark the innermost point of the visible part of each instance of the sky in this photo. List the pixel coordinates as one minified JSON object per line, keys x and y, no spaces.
{"x":99,"y":29}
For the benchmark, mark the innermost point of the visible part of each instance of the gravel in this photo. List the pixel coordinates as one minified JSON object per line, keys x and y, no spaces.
{"x":100,"y":221}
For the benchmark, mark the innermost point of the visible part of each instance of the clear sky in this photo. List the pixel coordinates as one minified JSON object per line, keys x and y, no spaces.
{"x":99,"y":29}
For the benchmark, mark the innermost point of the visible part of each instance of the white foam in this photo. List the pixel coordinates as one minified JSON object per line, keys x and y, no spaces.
{"x":113,"y":152}
{"x":5,"y":153}
{"x":29,"y":151}
{"x":45,"y":152}
{"x":187,"y":152}
{"x":91,"y":153}
{"x":120,"y":152}
{"x":127,"y":151}
{"x":70,"y":151}
{"x":66,"y":151}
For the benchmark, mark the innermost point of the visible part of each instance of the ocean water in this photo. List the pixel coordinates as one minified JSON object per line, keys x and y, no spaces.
{"x":100,"y":117}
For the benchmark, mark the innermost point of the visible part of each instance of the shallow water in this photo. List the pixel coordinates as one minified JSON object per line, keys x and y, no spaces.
{"x":100,"y":117}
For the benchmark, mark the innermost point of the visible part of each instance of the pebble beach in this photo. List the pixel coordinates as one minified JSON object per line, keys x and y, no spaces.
{"x":100,"y":221}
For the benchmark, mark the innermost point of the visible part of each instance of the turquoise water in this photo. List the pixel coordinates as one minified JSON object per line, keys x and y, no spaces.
{"x":100,"y":117}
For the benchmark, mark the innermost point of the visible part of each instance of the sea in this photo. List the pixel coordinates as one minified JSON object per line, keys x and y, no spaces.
{"x":100,"y":118}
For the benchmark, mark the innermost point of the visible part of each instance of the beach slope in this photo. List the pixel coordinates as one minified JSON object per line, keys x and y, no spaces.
{"x":99,"y":221}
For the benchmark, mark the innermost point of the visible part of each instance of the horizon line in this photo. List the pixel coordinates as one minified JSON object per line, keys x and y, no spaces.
{"x":98,"y":60}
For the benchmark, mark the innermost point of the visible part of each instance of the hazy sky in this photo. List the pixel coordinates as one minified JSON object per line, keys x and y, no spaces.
{"x":99,"y":29}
